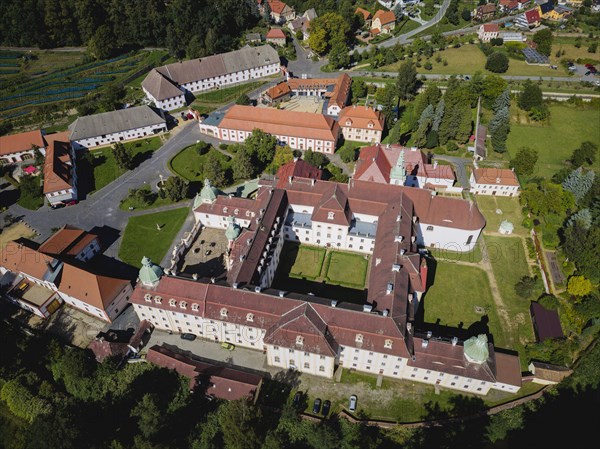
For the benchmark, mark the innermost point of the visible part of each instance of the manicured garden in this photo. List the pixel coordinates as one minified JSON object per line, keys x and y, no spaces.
{"x":461,"y":294}
{"x":228,"y":94}
{"x":105,"y":166}
{"x":556,"y":139}
{"x":308,"y":263}
{"x":188,"y":163}
{"x":473,"y":256}
{"x":143,"y":238}
{"x":346,"y":269}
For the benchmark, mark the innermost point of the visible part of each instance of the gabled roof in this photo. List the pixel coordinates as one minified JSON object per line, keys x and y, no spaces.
{"x":160,"y":87}
{"x":303,"y":321}
{"x":16,"y":143}
{"x":532,"y":16}
{"x":96,"y":290}
{"x":546,"y":323}
{"x":385,"y":17}
{"x":488,"y":8}
{"x":278,"y":7}
{"x":275,"y":33}
{"x":333,"y":202}
{"x":361,"y":117}
{"x":373,"y":165}
{"x":278,"y":91}
{"x":21,"y":256}
{"x":310,"y":14}
{"x":499,"y":176}
{"x":363,"y":12}
{"x":67,"y":241}
{"x":114,"y":121}
{"x":58,"y":167}
{"x":490,"y":27}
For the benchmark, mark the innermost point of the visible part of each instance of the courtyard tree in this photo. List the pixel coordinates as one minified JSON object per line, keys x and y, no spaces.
{"x":283,"y":155}
{"x":242,"y":165}
{"x":315,"y":159}
{"x":175,"y":188}
{"x":123,"y":156}
{"x":213,"y":169}
{"x":497,"y":62}
{"x":262,"y":146}
{"x":348,"y":153}
{"x":524,"y":161}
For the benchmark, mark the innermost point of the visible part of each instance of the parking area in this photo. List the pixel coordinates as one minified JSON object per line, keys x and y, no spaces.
{"x":589,"y":73}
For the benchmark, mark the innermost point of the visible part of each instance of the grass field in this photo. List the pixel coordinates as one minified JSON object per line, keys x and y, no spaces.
{"x":31,"y":203}
{"x":105,"y":166}
{"x":457,"y":289}
{"x":568,"y":127}
{"x":308,"y":262}
{"x":509,"y":263}
{"x":473,"y":256}
{"x":346,"y":269}
{"x":511,"y":211}
{"x":188,"y":162}
{"x":142,"y":238}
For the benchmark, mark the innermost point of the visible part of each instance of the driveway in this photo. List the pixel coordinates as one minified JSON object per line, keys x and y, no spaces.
{"x":460,"y":168}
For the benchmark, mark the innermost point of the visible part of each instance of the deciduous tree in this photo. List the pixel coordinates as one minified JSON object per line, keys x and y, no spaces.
{"x":524,"y":161}
{"x":579,"y":286}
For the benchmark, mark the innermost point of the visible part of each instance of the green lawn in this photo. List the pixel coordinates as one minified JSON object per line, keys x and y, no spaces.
{"x":308,"y":262}
{"x":511,"y":211}
{"x":227,"y":94}
{"x":555,"y":141}
{"x":346,"y":269}
{"x":142,"y":238}
{"x":188,"y":162}
{"x":447,"y":254}
{"x":452,"y":298}
{"x":31,"y":203}
{"x":507,"y":256}
{"x":105,"y":165}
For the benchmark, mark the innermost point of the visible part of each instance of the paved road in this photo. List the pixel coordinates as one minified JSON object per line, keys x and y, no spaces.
{"x":102,"y":208}
{"x":460,"y":167}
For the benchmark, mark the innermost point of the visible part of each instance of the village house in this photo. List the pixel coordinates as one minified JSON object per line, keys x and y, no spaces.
{"x":16,"y":148}
{"x":484,"y":12}
{"x":276,"y":36}
{"x":253,"y":38}
{"x":494,"y":181}
{"x":315,"y":335}
{"x":211,"y":72}
{"x":488,"y":31}
{"x":280,"y":11}
{"x":361,"y":124}
{"x":529,"y":19}
{"x":278,"y":93}
{"x":366,"y":15}
{"x":60,"y":174}
{"x":299,"y":130}
{"x":39,"y":278}
{"x":90,"y":131}
{"x":398,"y":165}
{"x":508,"y":6}
{"x":302,"y":23}
{"x":383,"y":22}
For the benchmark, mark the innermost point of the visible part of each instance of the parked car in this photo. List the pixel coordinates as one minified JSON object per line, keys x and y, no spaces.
{"x":189,"y":337}
{"x":588,"y":73}
{"x":207,"y":252}
{"x":190,"y":115}
{"x":589,"y":66}
{"x":71,"y":203}
{"x":57,"y":205}
{"x":353,"y":401}
{"x":326,"y":407}
{"x":316,"y":406}
{"x":228,"y":346}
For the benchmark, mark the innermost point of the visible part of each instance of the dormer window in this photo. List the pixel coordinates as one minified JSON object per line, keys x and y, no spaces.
{"x":183,"y":305}
{"x":497,"y":180}
{"x":388,"y":344}
{"x":224,"y":312}
{"x":250,"y":317}
{"x":370,"y":125}
{"x":236,"y":211}
{"x":158,"y":299}
{"x":225,"y":210}
{"x":359,"y":338}
{"x":330,"y":215}
{"x":148,"y":297}
{"x":195,"y":307}
{"x":299,"y":340}
{"x":172,"y":302}
{"x":348,"y":122}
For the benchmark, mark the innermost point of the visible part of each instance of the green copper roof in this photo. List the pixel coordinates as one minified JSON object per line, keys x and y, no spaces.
{"x":150,"y":273}
{"x":208,"y":192}
{"x":398,"y":171}
{"x":476,"y":349}
{"x":233,"y":229}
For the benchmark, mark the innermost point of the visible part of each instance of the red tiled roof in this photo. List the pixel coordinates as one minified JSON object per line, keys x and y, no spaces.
{"x":361,"y":117}
{"x":499,"y":176}
{"x":278,"y":91}
{"x":277,"y":6}
{"x":275,"y":33}
{"x":488,"y":8}
{"x":490,"y":27}
{"x":69,"y":241}
{"x":57,"y":167}
{"x":221,"y":382}
{"x":16,"y":143}
{"x":533,"y":16}
{"x":18,"y":256}
{"x":385,"y":17}
{"x":363,"y":12}
{"x":297,"y":169}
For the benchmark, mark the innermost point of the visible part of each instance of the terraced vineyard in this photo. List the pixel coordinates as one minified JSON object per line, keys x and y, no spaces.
{"x":21,"y":90}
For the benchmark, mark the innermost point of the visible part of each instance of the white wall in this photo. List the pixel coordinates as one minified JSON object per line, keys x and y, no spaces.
{"x":436,"y":236}
{"x":108,"y":139}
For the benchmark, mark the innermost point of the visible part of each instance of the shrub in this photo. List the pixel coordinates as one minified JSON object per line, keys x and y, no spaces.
{"x":497,"y":62}
{"x":452,"y":146}
{"x":549,"y":302}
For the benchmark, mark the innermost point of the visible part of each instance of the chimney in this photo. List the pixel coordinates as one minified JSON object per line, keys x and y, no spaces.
{"x":454,"y":341}
{"x":435,"y":164}
{"x":290,"y":179}
{"x":312,"y":182}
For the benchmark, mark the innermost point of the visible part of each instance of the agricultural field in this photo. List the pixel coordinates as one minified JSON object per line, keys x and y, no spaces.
{"x":555,"y":139}
{"x":51,"y":78}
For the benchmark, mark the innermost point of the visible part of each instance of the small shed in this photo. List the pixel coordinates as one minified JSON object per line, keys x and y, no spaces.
{"x":546,"y":323}
{"x":547,"y":373}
